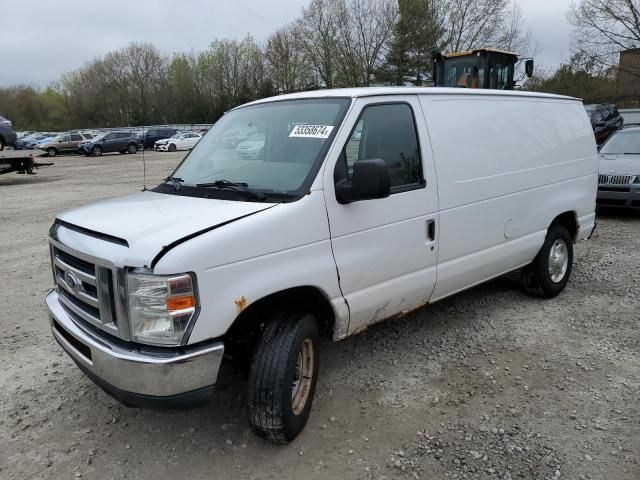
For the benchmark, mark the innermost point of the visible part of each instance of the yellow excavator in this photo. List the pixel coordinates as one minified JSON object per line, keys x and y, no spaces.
{"x":478,"y":68}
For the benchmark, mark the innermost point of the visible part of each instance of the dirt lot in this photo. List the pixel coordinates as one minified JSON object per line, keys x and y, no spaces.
{"x":488,"y":384}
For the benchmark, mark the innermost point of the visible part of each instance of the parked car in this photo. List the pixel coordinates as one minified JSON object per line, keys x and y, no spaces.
{"x":631,"y":117}
{"x":164,"y":140}
{"x":150,"y":137}
{"x":122,"y":142}
{"x":252,"y":147}
{"x":180,"y":141}
{"x":8,"y":136}
{"x":64,"y":143}
{"x":29,"y":142}
{"x":619,"y":170}
{"x":255,"y":260}
{"x":605,"y":120}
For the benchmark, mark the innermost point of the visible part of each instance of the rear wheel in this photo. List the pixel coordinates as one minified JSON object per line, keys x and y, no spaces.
{"x":549,"y":272}
{"x":97,"y":151}
{"x":283,"y":375}
{"x":1,"y":143}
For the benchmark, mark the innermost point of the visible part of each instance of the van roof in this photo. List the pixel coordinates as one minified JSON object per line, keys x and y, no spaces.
{"x":377,"y":91}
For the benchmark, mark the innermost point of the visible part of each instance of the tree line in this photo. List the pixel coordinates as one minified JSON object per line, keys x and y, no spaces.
{"x":333,"y":43}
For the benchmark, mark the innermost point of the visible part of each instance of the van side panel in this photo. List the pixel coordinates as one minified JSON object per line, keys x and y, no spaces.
{"x":506,"y":168}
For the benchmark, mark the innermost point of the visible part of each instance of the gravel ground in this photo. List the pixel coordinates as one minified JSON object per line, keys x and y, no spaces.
{"x":489,"y":384}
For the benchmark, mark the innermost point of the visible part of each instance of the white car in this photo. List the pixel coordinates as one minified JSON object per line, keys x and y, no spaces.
{"x":252,"y":147}
{"x":180,"y":141}
{"x":367,"y":204}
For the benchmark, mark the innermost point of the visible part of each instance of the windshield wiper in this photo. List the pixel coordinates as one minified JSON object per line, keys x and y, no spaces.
{"x":175,"y":182}
{"x":238,"y":186}
{"x":631,"y":153}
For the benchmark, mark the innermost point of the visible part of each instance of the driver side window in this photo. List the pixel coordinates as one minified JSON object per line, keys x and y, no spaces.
{"x":388,"y":131}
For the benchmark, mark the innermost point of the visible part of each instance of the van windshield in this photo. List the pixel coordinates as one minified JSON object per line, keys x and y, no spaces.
{"x":274,"y":148}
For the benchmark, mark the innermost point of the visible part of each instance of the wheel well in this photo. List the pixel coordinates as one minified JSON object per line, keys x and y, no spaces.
{"x":568,"y":220}
{"x":308,"y":299}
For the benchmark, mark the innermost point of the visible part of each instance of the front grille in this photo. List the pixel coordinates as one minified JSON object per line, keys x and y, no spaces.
{"x":615,"y":188}
{"x":85,"y":289}
{"x":614,"y":179}
{"x":611,"y":201}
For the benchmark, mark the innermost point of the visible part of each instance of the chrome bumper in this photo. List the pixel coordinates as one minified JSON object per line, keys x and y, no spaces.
{"x":135,"y":372}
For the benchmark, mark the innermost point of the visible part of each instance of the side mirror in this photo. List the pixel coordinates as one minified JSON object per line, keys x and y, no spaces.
{"x":528,"y":67}
{"x":370,"y":181}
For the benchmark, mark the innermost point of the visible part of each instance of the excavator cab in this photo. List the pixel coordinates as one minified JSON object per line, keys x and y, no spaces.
{"x":480,"y":68}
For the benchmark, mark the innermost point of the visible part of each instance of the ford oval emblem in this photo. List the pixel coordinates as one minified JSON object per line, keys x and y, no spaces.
{"x":72,"y":281}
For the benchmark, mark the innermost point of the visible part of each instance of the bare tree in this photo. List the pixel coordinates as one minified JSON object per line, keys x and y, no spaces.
{"x":320,"y":28}
{"x":474,"y":23}
{"x":288,"y":65}
{"x":366,"y":32}
{"x":602,"y":28}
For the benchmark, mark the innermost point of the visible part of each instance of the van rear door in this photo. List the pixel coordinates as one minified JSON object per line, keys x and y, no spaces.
{"x":385,"y":249}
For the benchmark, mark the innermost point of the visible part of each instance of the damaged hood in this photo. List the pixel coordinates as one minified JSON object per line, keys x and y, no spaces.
{"x":142,"y":224}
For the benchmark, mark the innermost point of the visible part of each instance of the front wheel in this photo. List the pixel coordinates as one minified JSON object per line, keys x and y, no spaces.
{"x":172,"y":147}
{"x":282,"y":377}
{"x":97,"y":151}
{"x":549,"y":272}
{"x":51,"y":152}
{"x":132,"y":149}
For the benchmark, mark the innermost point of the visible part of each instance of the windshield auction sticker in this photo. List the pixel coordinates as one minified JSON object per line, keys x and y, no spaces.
{"x":311,"y":131}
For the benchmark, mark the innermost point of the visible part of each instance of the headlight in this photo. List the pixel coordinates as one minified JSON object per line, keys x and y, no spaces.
{"x":160,"y":307}
{"x":637,"y":180}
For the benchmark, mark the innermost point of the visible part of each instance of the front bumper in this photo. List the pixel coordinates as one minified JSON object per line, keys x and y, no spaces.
{"x":626,"y":196}
{"x":138,"y":375}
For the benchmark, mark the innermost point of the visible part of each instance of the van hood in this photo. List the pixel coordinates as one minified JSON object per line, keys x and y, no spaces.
{"x":619,"y":164}
{"x":149,"y":221}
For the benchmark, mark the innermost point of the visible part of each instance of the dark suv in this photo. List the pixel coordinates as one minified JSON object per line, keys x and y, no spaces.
{"x":7,"y":135}
{"x":151,"y":136}
{"x":605,"y":120}
{"x":122,"y":142}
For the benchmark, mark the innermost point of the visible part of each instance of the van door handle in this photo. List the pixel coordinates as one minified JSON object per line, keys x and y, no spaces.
{"x":431,"y":230}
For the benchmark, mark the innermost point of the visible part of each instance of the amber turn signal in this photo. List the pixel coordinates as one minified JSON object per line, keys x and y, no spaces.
{"x":181,"y":302}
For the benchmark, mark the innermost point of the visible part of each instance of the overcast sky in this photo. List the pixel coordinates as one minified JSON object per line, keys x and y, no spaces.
{"x":41,"y":39}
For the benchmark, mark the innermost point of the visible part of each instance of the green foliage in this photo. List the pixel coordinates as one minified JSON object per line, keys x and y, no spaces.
{"x":571,"y":79}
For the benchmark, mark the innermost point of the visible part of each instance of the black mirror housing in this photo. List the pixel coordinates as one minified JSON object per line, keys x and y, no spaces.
{"x":370,"y":181}
{"x":528,"y":67}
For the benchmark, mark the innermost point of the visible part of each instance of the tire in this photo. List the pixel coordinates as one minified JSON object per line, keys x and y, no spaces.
{"x":2,"y":145}
{"x":279,"y":408}
{"x":132,"y":149}
{"x":549,"y":272}
{"x":96,"y":151}
{"x":172,"y":147}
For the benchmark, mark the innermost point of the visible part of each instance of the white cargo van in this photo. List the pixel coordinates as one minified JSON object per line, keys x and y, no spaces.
{"x":361,"y":204}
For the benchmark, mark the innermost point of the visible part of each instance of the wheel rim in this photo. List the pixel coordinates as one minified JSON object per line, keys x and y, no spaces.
{"x":51,"y":152}
{"x":558,"y":261}
{"x":132,"y":149}
{"x":303,"y":377}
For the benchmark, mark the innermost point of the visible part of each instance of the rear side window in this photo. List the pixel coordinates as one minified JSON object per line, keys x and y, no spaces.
{"x":152,"y":133}
{"x":388,"y":131}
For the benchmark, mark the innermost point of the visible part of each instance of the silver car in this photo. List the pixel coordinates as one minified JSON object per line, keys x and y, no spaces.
{"x":619,"y":170}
